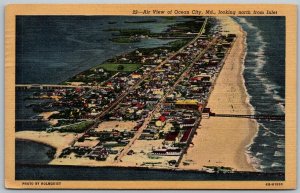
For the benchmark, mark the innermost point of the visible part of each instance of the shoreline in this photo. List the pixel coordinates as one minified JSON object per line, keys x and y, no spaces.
{"x":227,"y":138}
{"x":56,"y":140}
{"x":248,"y":154}
{"x":90,"y":163}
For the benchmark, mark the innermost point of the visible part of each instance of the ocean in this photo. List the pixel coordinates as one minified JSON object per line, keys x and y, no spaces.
{"x":264,"y":75}
{"x":53,"y":49}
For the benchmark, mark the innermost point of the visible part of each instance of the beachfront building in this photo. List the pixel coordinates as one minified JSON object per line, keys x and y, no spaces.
{"x":188,"y":104}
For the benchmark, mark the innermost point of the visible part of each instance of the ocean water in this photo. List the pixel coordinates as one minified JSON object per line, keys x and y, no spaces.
{"x":264,"y":75}
{"x":53,"y":49}
{"x":47,"y":172}
{"x":24,"y":114}
{"x":28,"y":152}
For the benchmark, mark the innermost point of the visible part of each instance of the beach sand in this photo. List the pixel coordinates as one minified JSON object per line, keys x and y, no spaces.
{"x":57,"y":140}
{"x":116,"y":125}
{"x":219,"y":141}
{"x":46,"y":116}
{"x":222,"y":141}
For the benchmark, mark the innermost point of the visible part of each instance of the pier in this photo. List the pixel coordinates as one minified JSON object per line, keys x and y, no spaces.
{"x":259,"y":117}
{"x":52,"y":86}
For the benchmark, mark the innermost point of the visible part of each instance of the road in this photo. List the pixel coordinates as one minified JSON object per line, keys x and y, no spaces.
{"x":98,"y":119}
{"x":158,"y":105}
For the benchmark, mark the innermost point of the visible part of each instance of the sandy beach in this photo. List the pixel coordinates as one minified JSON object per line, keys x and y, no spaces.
{"x":46,"y":116}
{"x":222,"y":141}
{"x":219,"y":141}
{"x":57,"y":140}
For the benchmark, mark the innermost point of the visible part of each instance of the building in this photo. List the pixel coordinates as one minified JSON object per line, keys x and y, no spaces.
{"x":206,"y":113}
{"x":189,"y":104}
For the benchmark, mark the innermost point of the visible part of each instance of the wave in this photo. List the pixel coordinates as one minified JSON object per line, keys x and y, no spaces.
{"x":254,"y":161}
{"x":269,"y":132}
{"x":258,"y":154}
{"x":244,"y":21}
{"x":248,"y":97}
{"x":264,"y":167}
{"x":275,"y":164}
{"x":264,"y":145}
{"x":280,"y":142}
{"x":259,"y":58}
{"x":280,"y":146}
{"x":256,"y":61}
{"x":251,"y":159}
{"x":278,"y":154}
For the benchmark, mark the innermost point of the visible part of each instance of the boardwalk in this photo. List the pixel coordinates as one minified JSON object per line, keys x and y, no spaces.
{"x":259,"y":117}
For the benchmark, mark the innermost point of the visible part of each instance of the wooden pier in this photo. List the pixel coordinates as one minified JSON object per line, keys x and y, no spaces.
{"x":259,"y":117}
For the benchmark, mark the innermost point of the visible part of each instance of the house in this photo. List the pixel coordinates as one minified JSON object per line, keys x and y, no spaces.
{"x":206,"y":113}
{"x":147,"y":136}
{"x":136,"y":75}
{"x":169,"y":151}
{"x":99,"y":153}
{"x":187,"y":104}
{"x":87,"y":143}
{"x":171,"y":136}
{"x":186,"y":135}
{"x":226,"y":44}
{"x":188,"y":122}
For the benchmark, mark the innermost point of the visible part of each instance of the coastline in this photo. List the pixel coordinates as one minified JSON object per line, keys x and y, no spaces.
{"x":56,"y":140}
{"x":236,"y":161}
{"x":61,"y":172}
{"x":223,"y":141}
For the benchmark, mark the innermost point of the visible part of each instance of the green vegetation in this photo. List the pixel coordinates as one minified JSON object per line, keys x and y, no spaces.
{"x":76,"y":127}
{"x":178,"y":43}
{"x":133,"y":61}
{"x":125,"y":40}
{"x":120,"y":67}
{"x":129,"y":35}
{"x":117,"y":68}
{"x":92,"y":75}
{"x":190,"y":26}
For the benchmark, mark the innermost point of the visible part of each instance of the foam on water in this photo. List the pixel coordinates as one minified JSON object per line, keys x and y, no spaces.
{"x":260,"y":61}
{"x":258,"y":154}
{"x":278,"y":154}
{"x":275,"y":164}
{"x":248,"y":97}
{"x":269,"y":132}
{"x":256,"y":64}
{"x":280,"y":146}
{"x":244,"y":21}
{"x":254,"y":161}
{"x":264,"y":145}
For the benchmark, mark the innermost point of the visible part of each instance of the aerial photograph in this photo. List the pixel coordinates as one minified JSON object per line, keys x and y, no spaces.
{"x":150,"y":97}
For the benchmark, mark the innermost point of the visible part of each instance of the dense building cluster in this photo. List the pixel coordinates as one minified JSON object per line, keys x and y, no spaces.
{"x":165,"y":99}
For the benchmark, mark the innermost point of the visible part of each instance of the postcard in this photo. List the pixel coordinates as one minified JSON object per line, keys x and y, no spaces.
{"x":150,"y":96}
